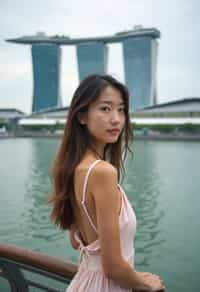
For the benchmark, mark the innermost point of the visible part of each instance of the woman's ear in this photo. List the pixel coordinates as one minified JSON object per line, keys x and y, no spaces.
{"x":81,"y":118}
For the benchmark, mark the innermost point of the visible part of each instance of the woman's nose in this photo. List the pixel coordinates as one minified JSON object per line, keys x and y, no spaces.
{"x":115,"y":117}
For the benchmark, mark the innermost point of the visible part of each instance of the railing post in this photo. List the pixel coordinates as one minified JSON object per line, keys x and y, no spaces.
{"x":14,"y":276}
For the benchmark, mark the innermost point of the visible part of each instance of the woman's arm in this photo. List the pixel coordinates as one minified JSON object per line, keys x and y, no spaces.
{"x":103,"y":186}
{"x":72,"y":231}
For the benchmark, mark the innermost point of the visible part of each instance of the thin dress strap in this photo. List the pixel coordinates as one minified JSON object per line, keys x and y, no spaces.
{"x":84,"y":194}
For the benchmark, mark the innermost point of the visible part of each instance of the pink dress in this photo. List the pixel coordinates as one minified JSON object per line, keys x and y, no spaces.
{"x":90,"y":276}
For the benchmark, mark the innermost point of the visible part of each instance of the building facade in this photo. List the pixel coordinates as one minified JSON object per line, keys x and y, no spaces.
{"x":140,"y":59}
{"x":46,"y":60}
{"x":92,"y":58}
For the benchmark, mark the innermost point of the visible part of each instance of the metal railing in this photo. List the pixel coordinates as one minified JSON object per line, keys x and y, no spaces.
{"x":22,"y":270}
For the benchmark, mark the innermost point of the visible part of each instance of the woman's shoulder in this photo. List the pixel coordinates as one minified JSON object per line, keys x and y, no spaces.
{"x":104,"y":172}
{"x":100,"y":172}
{"x":104,"y":166}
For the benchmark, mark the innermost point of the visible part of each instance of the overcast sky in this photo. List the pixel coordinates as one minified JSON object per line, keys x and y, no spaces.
{"x":178,"y":70}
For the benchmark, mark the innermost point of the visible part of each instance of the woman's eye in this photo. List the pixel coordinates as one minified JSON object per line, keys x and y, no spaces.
{"x":121,"y":109}
{"x":105,"y":109}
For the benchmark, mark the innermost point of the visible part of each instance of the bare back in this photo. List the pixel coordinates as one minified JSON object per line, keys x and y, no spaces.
{"x":88,"y":232}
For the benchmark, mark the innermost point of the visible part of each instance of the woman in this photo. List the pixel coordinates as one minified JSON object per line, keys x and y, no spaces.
{"x":87,"y":198}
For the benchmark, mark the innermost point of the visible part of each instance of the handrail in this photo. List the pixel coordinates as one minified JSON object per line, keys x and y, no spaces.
{"x":13,"y":259}
{"x":38,"y":260}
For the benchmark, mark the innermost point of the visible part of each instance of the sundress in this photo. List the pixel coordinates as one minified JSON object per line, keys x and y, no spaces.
{"x":90,"y":276}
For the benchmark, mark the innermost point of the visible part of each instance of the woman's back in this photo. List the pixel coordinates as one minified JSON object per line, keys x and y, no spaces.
{"x":90,"y":276}
{"x":84,"y":173}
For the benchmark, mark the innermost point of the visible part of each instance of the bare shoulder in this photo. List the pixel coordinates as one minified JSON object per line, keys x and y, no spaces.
{"x":104,"y":168}
{"x":103,"y":173}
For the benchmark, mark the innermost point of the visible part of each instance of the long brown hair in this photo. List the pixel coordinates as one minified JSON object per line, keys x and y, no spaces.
{"x":76,"y":140}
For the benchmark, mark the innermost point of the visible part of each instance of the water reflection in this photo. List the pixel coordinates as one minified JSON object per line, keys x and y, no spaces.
{"x":142,"y":183}
{"x":36,"y":224}
{"x":14,"y":160}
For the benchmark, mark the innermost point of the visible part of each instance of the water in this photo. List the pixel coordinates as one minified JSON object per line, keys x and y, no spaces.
{"x":162,"y":183}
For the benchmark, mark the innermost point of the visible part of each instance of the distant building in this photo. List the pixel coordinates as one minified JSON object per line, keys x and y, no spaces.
{"x":181,"y":111}
{"x":92,"y":58}
{"x":46,"y":74}
{"x":9,"y":118}
{"x":140,"y":59}
{"x":186,"y":107}
{"x":7,"y":114}
{"x":54,"y":113}
{"x":178,"y":112}
{"x":139,"y":56}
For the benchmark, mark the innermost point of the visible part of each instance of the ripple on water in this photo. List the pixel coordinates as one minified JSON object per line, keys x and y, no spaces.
{"x":162,"y":183}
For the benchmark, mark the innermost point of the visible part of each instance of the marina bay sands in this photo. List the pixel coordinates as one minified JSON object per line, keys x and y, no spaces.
{"x":139,"y":47}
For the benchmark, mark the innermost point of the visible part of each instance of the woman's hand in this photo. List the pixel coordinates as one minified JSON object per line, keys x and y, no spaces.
{"x":152,"y":281}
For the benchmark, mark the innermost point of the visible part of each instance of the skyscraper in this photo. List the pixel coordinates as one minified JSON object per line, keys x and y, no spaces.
{"x":46,"y":75}
{"x":92,"y":58}
{"x":140,"y":58}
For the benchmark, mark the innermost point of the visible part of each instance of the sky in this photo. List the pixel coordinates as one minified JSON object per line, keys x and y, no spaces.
{"x":178,"y":65}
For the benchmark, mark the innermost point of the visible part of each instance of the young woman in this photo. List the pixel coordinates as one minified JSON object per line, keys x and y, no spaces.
{"x":87,"y":198}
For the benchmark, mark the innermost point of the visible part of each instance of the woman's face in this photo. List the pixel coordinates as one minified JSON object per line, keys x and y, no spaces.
{"x":105,"y":118}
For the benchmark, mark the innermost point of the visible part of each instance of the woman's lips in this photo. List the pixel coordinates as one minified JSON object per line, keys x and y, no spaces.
{"x":114,"y":131}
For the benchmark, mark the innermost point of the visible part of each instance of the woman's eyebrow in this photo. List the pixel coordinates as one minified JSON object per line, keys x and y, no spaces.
{"x":110,"y":102}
